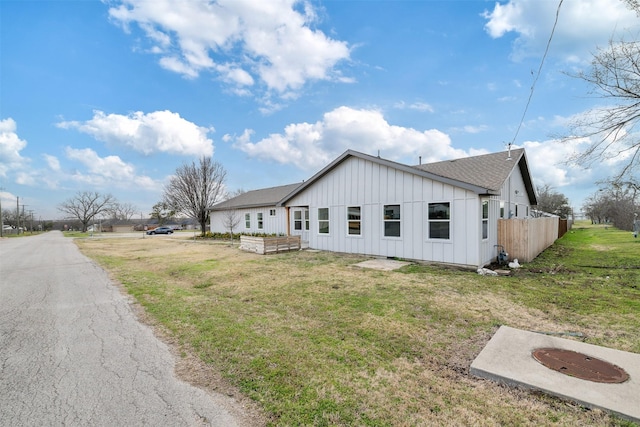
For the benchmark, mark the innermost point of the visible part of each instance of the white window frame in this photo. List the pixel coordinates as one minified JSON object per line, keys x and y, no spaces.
{"x":438,"y":221}
{"x":259,"y":218}
{"x":272,"y":212}
{"x":297,"y":221}
{"x":484,"y":222}
{"x":357,"y":221}
{"x":247,"y":220}
{"x":386,"y":220}
{"x":322,"y":221}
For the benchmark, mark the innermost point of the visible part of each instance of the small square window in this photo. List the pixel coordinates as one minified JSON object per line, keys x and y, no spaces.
{"x":272,"y":212}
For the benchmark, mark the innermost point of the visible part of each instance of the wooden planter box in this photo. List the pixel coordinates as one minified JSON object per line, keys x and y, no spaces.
{"x":269,"y":245}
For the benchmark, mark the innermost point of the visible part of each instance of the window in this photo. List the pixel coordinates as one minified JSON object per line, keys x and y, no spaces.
{"x":260,"y":224}
{"x":516,"y":210}
{"x":439,"y":220}
{"x":323,"y":220}
{"x":354,"y":220}
{"x":297,"y":220}
{"x":306,"y":220}
{"x":485,"y":219}
{"x":392,"y":220}
{"x":272,"y":212}
{"x":501,"y":209}
{"x":247,"y":220}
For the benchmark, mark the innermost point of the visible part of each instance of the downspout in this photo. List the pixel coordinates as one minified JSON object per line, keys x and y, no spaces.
{"x":288,"y":210}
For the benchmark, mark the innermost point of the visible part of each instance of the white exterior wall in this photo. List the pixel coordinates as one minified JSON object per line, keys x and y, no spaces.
{"x":512,"y":193}
{"x":488,"y":249}
{"x":271,"y":224}
{"x":359,"y":182}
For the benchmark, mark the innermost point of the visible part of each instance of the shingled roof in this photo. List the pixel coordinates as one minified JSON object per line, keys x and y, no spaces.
{"x":484,"y":174}
{"x":488,"y":170}
{"x":257,"y":198}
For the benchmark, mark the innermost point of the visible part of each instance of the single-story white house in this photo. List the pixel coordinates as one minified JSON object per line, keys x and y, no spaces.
{"x":255,"y":211}
{"x":444,"y":212}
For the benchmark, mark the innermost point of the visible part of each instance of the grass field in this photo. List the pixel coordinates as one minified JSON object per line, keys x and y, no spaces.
{"x":315,"y":341}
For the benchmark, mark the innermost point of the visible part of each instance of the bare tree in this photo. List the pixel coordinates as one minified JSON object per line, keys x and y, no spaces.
{"x":552,"y":202}
{"x":231,"y":219}
{"x":195,"y":188}
{"x":232,"y":194}
{"x":633,"y":5}
{"x":123,"y":211}
{"x":86,"y":205}
{"x":615,"y":77}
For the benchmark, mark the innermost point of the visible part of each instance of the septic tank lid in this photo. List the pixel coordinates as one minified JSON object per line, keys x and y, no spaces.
{"x":580,"y":365}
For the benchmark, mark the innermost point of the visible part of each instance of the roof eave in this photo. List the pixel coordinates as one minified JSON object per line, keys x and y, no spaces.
{"x":410,"y":169}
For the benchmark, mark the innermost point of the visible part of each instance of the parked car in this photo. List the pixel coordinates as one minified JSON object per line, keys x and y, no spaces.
{"x":161,"y":230}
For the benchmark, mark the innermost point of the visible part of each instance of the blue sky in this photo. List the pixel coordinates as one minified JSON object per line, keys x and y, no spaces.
{"x":113,"y":96}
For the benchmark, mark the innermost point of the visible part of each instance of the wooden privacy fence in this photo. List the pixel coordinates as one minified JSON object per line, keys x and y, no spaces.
{"x":269,"y":245}
{"x":524,"y":239}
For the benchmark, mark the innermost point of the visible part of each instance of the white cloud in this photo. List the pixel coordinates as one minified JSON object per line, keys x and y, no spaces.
{"x":109,"y":171}
{"x":273,"y":42}
{"x":582,"y":25}
{"x":53,"y":162}
{"x":160,"y":131}
{"x":418,"y":106}
{"x":311,"y":146}
{"x":10,"y":147}
{"x":550,"y":164}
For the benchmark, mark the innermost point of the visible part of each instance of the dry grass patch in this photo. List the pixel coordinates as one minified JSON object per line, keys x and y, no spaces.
{"x":317,"y":342}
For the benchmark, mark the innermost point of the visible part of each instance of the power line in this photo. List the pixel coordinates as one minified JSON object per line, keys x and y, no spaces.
{"x":533,"y":86}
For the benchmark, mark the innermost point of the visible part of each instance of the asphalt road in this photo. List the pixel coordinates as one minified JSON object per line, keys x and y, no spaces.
{"x":72,"y":352}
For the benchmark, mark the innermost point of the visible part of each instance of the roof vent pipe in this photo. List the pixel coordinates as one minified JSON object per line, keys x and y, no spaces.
{"x":420,"y":160}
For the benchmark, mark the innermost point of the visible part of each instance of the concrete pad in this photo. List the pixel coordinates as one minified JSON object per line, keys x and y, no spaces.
{"x":382,"y":264}
{"x":507,"y":359}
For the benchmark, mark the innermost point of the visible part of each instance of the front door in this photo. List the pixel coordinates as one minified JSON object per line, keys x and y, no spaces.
{"x":300,"y":223}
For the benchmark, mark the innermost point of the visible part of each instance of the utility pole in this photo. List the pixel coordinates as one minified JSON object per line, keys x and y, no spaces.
{"x":18,"y":213}
{"x":31,"y":217}
{"x":1,"y":218}
{"x":24,"y":217}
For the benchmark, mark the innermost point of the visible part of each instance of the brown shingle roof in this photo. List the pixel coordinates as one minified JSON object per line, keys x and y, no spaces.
{"x":256,"y":198}
{"x":489,"y":170}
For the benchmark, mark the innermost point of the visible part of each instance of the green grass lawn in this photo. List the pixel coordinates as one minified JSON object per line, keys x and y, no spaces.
{"x":315,"y":341}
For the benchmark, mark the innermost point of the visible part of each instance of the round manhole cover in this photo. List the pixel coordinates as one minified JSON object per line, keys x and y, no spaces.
{"x":580,"y":365}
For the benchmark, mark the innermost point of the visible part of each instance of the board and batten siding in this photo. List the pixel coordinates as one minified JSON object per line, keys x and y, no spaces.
{"x":271,"y":224}
{"x":514,"y":192}
{"x":371,"y":186}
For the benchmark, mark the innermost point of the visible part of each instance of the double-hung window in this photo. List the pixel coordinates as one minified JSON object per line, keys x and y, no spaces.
{"x":391,"y":220}
{"x":260,"y":223}
{"x":247,"y":220}
{"x":354,"y":219}
{"x":485,"y":219}
{"x":323,"y":220}
{"x":297,"y":220}
{"x":306,"y":219}
{"x":440,"y":220}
